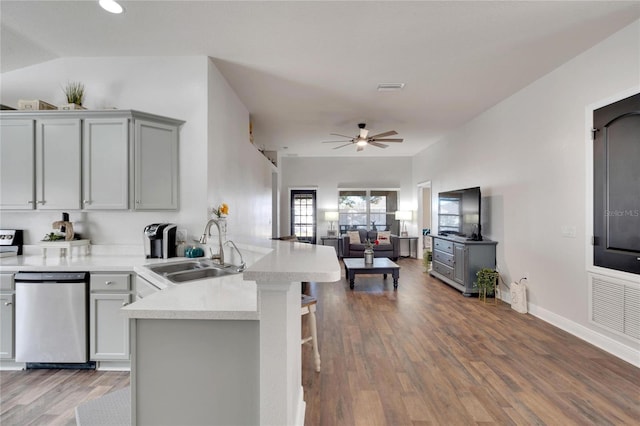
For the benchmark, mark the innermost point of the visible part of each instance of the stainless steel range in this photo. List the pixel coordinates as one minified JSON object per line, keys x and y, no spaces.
{"x":10,"y":242}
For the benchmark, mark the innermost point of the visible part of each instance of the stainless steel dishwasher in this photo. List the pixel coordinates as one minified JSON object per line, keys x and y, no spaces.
{"x":51,"y":318}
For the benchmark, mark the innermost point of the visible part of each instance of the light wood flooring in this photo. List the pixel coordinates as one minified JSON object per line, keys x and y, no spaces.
{"x":422,"y":355}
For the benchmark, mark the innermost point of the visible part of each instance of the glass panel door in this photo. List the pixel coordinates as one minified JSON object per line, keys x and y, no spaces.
{"x":303,"y":215}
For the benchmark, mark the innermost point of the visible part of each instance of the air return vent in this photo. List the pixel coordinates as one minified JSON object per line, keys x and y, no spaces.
{"x":615,"y":305}
{"x":390,"y":87}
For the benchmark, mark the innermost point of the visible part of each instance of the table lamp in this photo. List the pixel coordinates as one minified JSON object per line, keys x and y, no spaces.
{"x":403,"y":215}
{"x":331,"y":217}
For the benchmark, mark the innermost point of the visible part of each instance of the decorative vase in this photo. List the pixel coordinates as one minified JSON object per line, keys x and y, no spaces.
{"x":368,"y":256}
{"x":222,"y":221}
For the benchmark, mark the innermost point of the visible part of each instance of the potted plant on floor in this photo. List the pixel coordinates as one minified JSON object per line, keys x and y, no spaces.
{"x":486,"y":283}
{"x":427,"y":257}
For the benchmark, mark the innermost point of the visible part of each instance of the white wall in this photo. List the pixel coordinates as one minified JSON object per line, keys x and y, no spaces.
{"x":528,"y":154}
{"x":237,"y":173}
{"x":329,"y":175}
{"x":177,"y":87}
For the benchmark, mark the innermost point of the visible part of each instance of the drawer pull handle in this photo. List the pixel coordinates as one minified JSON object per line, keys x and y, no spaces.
{"x":8,"y":303}
{"x":108,"y":282}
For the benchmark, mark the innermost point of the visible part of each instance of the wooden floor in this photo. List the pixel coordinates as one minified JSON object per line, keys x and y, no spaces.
{"x":422,"y":355}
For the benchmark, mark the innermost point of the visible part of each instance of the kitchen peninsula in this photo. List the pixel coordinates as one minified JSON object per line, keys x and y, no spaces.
{"x":226,"y":350}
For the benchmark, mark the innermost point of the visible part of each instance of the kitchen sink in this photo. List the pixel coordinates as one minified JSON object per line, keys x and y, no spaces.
{"x":175,"y":267}
{"x":192,"y":270}
{"x":199,"y":274}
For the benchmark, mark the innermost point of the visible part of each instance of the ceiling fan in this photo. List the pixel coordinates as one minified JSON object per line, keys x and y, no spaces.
{"x":363,"y":139}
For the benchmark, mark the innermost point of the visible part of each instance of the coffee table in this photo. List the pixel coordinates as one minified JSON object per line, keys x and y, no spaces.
{"x":381,"y":265}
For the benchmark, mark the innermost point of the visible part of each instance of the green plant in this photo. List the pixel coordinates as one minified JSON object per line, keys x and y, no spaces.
{"x":487,"y":282}
{"x":368,"y":245}
{"x":74,"y":91}
{"x":427,"y":257}
{"x":53,"y":237}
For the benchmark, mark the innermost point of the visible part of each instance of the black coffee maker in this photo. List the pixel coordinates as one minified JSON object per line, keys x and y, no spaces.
{"x":160,"y":240}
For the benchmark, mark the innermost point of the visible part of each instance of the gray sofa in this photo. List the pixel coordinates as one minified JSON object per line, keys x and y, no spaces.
{"x":392,"y":251}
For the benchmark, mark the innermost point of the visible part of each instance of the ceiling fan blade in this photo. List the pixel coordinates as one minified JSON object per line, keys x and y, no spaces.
{"x":360,"y":148}
{"x":379,"y":145}
{"x":344,"y":136}
{"x":387,"y":140}
{"x":333,"y":142}
{"x":341,"y":146}
{"x":382,"y":135}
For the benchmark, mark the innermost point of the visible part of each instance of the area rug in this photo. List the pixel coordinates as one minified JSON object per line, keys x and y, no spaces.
{"x":112,"y":409}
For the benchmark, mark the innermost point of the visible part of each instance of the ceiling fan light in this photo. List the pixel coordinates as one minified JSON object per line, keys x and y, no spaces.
{"x":110,"y":6}
{"x":361,"y":142}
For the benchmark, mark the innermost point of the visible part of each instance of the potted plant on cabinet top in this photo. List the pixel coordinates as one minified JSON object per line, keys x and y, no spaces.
{"x":74,"y":92}
{"x":487,"y":283}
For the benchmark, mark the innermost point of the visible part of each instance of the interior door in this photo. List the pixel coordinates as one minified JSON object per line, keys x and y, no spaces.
{"x":616,"y":186}
{"x":303,"y":214}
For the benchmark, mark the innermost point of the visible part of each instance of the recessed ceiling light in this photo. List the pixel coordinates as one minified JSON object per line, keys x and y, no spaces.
{"x":390,"y":87}
{"x":110,"y":6}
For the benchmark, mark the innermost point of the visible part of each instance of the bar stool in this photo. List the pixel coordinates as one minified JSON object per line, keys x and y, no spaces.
{"x":308,"y":306}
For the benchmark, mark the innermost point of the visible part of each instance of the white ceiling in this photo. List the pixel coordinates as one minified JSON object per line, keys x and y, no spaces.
{"x":306,"y":69}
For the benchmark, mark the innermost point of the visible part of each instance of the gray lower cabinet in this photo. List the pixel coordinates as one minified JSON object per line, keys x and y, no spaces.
{"x":456,"y":261}
{"x":109,"y":332}
{"x":7,"y":323}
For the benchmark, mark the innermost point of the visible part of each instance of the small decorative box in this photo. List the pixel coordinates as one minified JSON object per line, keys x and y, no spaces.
{"x":35,"y":105}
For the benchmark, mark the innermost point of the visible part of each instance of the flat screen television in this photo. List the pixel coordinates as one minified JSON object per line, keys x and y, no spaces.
{"x":459,"y":213}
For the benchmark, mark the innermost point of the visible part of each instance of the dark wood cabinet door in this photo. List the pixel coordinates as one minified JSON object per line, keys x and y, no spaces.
{"x":616,"y":186}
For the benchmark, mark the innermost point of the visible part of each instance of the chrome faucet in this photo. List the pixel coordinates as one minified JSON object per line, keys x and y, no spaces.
{"x":206,"y":234}
{"x":242,"y":265}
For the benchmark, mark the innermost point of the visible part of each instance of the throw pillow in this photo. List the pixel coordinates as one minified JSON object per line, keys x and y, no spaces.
{"x":384,"y":237}
{"x":354,"y":237}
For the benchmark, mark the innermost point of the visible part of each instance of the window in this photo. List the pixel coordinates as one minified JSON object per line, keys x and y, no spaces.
{"x":368,"y":209}
{"x":303,"y":215}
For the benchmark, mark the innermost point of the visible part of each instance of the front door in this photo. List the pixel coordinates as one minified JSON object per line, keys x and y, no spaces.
{"x":303,"y":214}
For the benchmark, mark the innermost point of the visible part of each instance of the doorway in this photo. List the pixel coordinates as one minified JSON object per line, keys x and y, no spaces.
{"x":303,"y":214}
{"x":424,"y":201}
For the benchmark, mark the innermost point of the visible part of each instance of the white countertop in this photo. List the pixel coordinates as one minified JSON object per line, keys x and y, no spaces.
{"x":229,"y":297}
{"x":91,"y":263}
{"x":235,"y":297}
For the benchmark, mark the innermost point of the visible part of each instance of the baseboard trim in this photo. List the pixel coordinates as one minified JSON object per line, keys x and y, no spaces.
{"x":114,"y":366}
{"x":615,"y":348}
{"x":11,"y":365}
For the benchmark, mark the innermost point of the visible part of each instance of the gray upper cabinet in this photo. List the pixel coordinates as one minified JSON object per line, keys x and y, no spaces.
{"x":105,"y":164}
{"x":156,"y":166}
{"x":17,"y":164}
{"x":91,"y":160}
{"x":58,"y":164}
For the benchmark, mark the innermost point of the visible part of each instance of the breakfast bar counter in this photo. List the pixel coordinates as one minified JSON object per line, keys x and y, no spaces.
{"x":226,"y":350}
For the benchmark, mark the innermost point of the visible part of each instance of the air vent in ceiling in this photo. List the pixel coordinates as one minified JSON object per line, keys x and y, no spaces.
{"x":390,"y":87}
